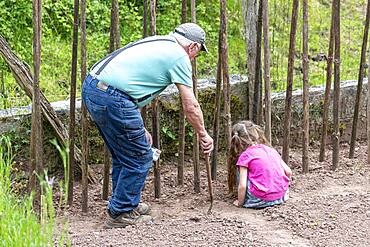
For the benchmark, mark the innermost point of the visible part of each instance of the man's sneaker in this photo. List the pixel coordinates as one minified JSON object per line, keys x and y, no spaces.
{"x":142,"y":209}
{"x":126,"y":219}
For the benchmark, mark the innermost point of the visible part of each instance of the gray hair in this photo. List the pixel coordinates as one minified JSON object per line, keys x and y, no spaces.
{"x":181,"y":39}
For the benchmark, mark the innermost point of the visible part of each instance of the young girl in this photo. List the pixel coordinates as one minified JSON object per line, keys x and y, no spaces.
{"x":263,"y":175}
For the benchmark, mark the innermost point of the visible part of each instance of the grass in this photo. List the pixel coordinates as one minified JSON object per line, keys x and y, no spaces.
{"x":19,"y":224}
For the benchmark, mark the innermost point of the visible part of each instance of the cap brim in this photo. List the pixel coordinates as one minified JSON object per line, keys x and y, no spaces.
{"x":204,"y":48}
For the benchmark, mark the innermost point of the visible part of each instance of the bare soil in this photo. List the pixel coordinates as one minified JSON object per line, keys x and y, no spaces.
{"x":326,"y":208}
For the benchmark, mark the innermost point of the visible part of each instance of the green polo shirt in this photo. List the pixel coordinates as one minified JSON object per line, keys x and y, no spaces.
{"x":147,"y":68}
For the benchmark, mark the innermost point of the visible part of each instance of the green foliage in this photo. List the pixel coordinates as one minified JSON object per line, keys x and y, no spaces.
{"x":16,"y":27}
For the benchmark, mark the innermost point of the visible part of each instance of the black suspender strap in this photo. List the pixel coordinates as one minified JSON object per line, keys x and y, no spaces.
{"x":112,"y":55}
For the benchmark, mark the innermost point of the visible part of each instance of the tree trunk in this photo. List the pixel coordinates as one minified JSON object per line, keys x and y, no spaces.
{"x":250,"y":29}
{"x":360,"y":81}
{"x":329,"y":71}
{"x":288,"y":99}
{"x":336,"y":106}
{"x":306,"y":86}
{"x":266,"y":60}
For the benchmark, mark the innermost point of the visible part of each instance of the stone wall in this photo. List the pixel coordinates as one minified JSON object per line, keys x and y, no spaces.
{"x":17,"y":120}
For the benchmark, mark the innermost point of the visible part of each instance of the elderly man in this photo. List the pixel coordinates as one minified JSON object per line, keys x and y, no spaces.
{"x":122,"y":82}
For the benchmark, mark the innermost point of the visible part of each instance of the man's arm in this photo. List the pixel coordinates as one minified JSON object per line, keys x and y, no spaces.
{"x":194,"y":115}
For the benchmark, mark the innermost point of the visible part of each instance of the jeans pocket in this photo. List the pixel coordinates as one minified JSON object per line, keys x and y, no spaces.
{"x":136,"y":186}
{"x":98,"y":112}
{"x":135,"y":142}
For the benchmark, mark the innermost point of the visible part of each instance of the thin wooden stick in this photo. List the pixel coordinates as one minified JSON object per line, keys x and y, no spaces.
{"x":210,"y":188}
{"x":216,"y":119}
{"x":195,"y":137}
{"x":266,"y":59}
{"x":84,"y":122}
{"x":72,"y":108}
{"x":36,"y":157}
{"x":288,"y":98}
{"x":336,"y":100}
{"x":360,"y":80}
{"x":368,"y":112}
{"x":306,"y":122}
{"x":329,"y":71}
{"x":181,"y":163}
{"x":257,"y":76}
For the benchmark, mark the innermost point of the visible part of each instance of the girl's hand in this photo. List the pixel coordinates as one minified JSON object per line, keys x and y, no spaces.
{"x":236,"y":203}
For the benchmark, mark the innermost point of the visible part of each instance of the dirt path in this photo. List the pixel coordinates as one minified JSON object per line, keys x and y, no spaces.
{"x":325,"y":209}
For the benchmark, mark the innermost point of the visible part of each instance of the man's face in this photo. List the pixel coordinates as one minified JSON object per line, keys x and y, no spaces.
{"x":193,"y":50}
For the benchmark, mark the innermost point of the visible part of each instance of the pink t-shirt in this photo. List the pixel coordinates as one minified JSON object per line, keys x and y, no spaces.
{"x":265,"y":172}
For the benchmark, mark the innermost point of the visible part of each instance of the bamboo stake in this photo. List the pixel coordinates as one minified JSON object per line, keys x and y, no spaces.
{"x":329,"y":71}
{"x":288,"y":99}
{"x":72,"y":104}
{"x":84,"y":122}
{"x":306,"y":85}
{"x":336,"y":106}
{"x":360,"y":82}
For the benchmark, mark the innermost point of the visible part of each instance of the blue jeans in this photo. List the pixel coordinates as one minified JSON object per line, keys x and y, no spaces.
{"x":121,"y":126}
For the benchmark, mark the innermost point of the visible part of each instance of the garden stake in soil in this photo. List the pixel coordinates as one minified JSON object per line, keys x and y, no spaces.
{"x":210,"y":189}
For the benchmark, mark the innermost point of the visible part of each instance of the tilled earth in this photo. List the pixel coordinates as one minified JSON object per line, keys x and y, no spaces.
{"x":326,"y":208}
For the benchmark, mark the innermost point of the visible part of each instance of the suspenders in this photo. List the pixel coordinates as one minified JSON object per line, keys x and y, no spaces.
{"x":112,"y":55}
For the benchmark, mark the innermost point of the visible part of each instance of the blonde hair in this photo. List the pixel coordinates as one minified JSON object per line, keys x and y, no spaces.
{"x":245,"y":134}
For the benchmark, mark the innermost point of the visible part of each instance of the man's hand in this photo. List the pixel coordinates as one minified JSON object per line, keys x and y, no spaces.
{"x":148,"y":137}
{"x":206,"y":143}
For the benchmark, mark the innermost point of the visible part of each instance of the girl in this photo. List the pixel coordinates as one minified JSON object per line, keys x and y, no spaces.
{"x":263,"y":175}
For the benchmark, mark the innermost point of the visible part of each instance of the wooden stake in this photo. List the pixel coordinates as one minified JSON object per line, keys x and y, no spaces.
{"x":195,"y":137}
{"x":360,"y":82}
{"x":329,"y":71}
{"x":72,"y":103}
{"x":216,"y":118}
{"x":288,"y":99}
{"x":181,"y":163}
{"x":210,"y":188}
{"x":24,"y":79}
{"x":336,"y":106}
{"x":36,"y":157}
{"x":306,"y":85}
{"x":84,"y":121}
{"x":266,"y":60}
{"x":257,"y":76}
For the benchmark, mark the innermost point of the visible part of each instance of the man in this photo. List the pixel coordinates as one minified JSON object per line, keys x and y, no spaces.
{"x":121,"y":83}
